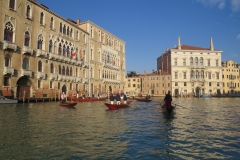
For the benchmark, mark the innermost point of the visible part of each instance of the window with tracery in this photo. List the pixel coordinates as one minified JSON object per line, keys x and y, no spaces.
{"x":59,"y":69}
{"x":51,"y":68}
{"x":60,"y":49}
{"x":40,"y":42}
{"x":8,"y":32}
{"x":50,"y":46}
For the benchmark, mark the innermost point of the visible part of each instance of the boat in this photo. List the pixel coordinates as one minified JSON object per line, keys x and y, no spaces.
{"x":169,"y":110}
{"x":205,"y":96}
{"x":117,"y":106}
{"x":68,"y":104}
{"x":89,"y":99}
{"x":4,"y":100}
{"x":143,"y":99}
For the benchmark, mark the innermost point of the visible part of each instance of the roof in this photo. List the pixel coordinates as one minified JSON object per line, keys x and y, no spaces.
{"x":187,"y":47}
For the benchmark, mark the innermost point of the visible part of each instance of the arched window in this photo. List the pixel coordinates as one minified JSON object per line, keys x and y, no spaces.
{"x":12,"y":4}
{"x":50,"y":46}
{"x":201,"y":61}
{"x":8,"y":32}
{"x":197,"y":74}
{"x":39,"y":66}
{"x":41,"y":18}
{"x":64,"y":29}
{"x":51,"y":23}
{"x":71,"y":71}
{"x":196,"y":61}
{"x":25,"y":64}
{"x":191,"y":60}
{"x":76,"y":72}
{"x":63,"y":70}
{"x":59,"y":69}
{"x":27,"y":39}
{"x":77,"y":38}
{"x":7,"y":61}
{"x":67,"y":31}
{"x":28,"y":12}
{"x":60,"y":49}
{"x":202,"y":74}
{"x":67,"y":71}
{"x":51,"y":68}
{"x":192,"y":74}
{"x":40,"y":42}
{"x":60,"y":29}
{"x":64,"y":50}
{"x":71,"y":32}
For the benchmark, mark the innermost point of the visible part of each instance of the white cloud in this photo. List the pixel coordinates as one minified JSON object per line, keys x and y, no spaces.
{"x":235,"y":5}
{"x":219,"y":3}
{"x":238,"y":36}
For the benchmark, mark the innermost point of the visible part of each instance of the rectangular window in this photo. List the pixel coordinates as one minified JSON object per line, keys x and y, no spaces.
{"x":184,"y":75}
{"x":58,"y":85}
{"x":218,"y":84}
{"x":163,"y":85}
{"x":175,"y":62}
{"x":185,"y":83}
{"x":134,"y":85}
{"x":208,"y":62}
{"x":6,"y":81}
{"x":51,"y":84}
{"x":210,"y":84}
{"x":39,"y":84}
{"x":217,"y":63}
{"x":168,"y":84}
{"x":176,"y":77}
{"x":176,"y":83}
{"x":76,"y":87}
{"x":209,"y":75}
{"x":70,"y":86}
{"x":217,"y":75}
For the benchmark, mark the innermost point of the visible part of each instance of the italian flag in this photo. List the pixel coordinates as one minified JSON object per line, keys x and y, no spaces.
{"x":74,"y":52}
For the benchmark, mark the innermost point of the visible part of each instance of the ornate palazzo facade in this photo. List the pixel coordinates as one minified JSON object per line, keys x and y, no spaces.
{"x":193,"y":70}
{"x":43,"y":54}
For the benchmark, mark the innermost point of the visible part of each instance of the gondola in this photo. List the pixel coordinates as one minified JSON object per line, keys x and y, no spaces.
{"x":68,"y":104}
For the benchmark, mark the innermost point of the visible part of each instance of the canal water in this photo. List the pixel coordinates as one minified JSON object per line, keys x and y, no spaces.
{"x":197,"y":129}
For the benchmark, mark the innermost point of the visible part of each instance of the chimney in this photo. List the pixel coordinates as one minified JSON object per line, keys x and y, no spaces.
{"x":78,"y":21}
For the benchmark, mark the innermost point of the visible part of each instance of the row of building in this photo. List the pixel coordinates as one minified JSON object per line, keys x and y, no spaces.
{"x":43,"y":54}
{"x":188,"y":71}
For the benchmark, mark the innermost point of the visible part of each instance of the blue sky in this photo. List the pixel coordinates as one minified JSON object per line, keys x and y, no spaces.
{"x":150,"y":26}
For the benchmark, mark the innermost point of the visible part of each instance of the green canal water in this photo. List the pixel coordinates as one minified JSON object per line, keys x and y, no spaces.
{"x":197,"y":129}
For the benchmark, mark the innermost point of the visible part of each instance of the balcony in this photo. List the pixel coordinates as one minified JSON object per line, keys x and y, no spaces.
{"x":41,"y":75}
{"x":26,"y":73}
{"x":197,"y":79}
{"x":85,"y":80}
{"x":197,"y":66}
{"x":9,"y":45}
{"x":60,"y":78}
{"x":53,"y":77}
{"x":41,"y":53}
{"x":67,"y":59}
{"x":8,"y":70}
{"x":77,"y":79}
{"x":27,"y":50}
{"x":111,"y":81}
{"x":85,"y":65}
{"x":111,"y":66}
{"x":53,"y":56}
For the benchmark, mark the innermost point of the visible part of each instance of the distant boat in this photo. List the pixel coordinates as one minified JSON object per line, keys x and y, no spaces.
{"x":89,"y":99}
{"x":143,"y":99}
{"x":4,"y":100}
{"x":205,"y":96}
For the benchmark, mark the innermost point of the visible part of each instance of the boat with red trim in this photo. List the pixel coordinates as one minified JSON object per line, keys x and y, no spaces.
{"x":88,"y":99}
{"x":117,"y":106}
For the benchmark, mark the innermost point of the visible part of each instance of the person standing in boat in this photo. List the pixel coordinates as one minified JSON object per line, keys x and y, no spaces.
{"x":111,"y":98}
{"x":118,"y":98}
{"x":125,"y":99}
{"x":63,"y":97}
{"x":168,"y":100}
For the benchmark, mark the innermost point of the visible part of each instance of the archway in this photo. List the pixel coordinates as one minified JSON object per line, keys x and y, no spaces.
{"x":23,"y":87}
{"x":176,"y":92}
{"x":198,"y":92}
{"x":218,"y":92}
{"x":64,"y":89}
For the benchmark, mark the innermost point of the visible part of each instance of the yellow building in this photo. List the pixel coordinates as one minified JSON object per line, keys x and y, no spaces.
{"x":44,"y":54}
{"x":133,"y":85}
{"x":230,"y":76}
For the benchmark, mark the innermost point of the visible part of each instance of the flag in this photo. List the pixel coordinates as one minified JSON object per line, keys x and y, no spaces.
{"x":67,"y":50}
{"x":74,"y":52}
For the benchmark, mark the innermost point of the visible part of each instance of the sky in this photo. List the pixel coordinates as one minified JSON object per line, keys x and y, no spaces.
{"x":148,"y":27}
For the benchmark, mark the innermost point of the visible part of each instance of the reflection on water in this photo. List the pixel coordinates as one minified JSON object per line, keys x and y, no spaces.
{"x":197,"y":129}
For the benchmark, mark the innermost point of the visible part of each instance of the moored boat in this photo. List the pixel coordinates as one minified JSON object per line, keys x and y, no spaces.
{"x":89,"y":99}
{"x":143,"y":99}
{"x":68,"y":104}
{"x":116,"y":106}
{"x":4,"y":100}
